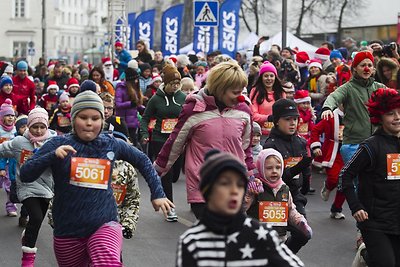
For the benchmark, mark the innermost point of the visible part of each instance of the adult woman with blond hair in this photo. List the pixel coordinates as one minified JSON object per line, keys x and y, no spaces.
{"x":129,"y":101}
{"x":214,"y":118}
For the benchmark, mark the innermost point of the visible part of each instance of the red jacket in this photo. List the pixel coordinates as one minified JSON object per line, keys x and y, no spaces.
{"x":24,"y":89}
{"x":15,"y":100}
{"x":330,"y":148}
{"x":48,"y":102}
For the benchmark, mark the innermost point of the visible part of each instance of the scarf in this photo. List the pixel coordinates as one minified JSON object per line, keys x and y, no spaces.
{"x":7,"y":128}
{"x":363,"y":82}
{"x":313,"y":85}
{"x":37,"y":141}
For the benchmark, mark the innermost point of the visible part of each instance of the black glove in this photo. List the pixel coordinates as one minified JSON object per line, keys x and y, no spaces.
{"x":303,"y":164}
{"x":127,"y":233}
{"x":133,"y":104}
{"x":270,"y":118}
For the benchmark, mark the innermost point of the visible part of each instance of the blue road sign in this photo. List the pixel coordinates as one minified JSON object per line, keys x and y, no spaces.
{"x":205,"y":13}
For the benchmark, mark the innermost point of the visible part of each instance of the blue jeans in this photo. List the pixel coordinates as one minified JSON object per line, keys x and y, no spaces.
{"x":347,"y":151}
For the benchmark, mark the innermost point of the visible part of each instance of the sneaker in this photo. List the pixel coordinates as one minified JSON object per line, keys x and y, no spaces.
{"x":171,"y":216}
{"x":325,"y":193}
{"x":22,"y":221}
{"x":311,"y":190}
{"x":12,"y":214}
{"x":337,"y":216}
{"x":359,"y":260}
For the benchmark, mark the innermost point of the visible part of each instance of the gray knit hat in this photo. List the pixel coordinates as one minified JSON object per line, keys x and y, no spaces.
{"x":256,"y":128}
{"x":87,"y":100}
{"x":215,"y":163}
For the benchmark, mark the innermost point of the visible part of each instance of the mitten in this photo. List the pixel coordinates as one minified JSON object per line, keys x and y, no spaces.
{"x":255,"y":187}
{"x":305,"y":229}
{"x":127,"y":233}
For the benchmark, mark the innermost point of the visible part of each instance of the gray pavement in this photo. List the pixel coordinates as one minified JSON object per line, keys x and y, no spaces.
{"x":155,"y":240}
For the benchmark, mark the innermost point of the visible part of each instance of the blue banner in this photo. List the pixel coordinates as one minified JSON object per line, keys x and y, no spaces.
{"x":131,"y":25}
{"x":228,"y":30}
{"x":171,"y":24}
{"x":144,"y":27}
{"x":203,"y":39}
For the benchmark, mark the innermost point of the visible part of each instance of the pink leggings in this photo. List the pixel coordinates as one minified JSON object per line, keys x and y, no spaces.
{"x":102,"y":248}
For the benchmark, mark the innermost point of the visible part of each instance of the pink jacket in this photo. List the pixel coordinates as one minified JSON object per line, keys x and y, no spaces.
{"x":200,"y":128}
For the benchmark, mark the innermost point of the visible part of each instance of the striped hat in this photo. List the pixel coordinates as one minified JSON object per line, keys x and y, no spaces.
{"x":6,"y":108}
{"x":87,"y":100}
{"x":38,"y":115}
{"x":215,"y":163}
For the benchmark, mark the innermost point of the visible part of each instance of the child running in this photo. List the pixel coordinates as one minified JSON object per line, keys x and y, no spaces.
{"x":274,"y":206}
{"x":86,"y":228}
{"x":34,"y":196}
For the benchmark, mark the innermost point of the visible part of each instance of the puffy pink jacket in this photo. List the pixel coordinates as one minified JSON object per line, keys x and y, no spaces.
{"x":200,"y":128}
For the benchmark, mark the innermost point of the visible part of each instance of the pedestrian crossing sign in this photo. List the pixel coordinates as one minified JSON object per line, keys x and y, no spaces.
{"x":206,"y":13}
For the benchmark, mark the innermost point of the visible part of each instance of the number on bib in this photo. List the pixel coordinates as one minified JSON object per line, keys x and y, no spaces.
{"x":90,"y":172}
{"x":274,"y":213}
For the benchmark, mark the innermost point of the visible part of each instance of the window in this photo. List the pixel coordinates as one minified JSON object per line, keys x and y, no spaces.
{"x":20,"y":49}
{"x":20,"y":8}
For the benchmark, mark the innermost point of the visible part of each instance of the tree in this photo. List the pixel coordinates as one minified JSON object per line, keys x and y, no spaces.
{"x":257,"y":12}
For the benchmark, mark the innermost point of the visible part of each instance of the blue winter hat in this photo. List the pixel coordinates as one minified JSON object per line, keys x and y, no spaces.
{"x":22,"y":65}
{"x":335,"y":54}
{"x":344,"y":52}
{"x":5,"y":80}
{"x":88,"y":85}
{"x":21,"y":121}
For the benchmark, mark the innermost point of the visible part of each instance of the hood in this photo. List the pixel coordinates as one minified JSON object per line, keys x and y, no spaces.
{"x":388,"y":62}
{"x":264,"y":154}
{"x":160,"y":92}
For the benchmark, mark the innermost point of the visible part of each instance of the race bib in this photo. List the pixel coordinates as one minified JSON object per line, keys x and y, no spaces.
{"x":292,"y":161}
{"x":90,"y":172}
{"x":302,"y":128}
{"x":3,"y":139}
{"x":64,"y":121}
{"x":274,"y":213}
{"x":340,"y":134}
{"x":25,"y":155}
{"x":168,"y":125}
{"x":119,"y":192}
{"x":151,"y":124}
{"x":393,"y":166}
{"x":267,"y":126}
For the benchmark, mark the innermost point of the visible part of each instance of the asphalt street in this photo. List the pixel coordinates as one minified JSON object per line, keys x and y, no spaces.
{"x":155,"y":240}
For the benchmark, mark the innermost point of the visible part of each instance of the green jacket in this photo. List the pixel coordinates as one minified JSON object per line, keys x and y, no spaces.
{"x":354,"y":96}
{"x":161,"y":106}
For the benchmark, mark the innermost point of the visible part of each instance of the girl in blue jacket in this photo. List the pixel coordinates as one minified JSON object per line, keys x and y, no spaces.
{"x":86,"y":227}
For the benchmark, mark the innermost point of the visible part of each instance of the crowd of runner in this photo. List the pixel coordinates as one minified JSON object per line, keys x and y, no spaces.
{"x":246,"y":132}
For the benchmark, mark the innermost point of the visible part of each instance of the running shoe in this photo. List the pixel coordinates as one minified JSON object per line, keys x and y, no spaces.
{"x":171,"y":216}
{"x":325,"y":193}
{"x":337,"y":216}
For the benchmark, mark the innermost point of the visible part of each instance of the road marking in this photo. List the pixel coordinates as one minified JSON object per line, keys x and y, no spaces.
{"x":185,"y":221}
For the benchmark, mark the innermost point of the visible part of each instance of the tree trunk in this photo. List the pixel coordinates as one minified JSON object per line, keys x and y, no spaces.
{"x":244,"y":20}
{"x":255,"y":7}
{"x":339,"y":30}
{"x":302,"y":12}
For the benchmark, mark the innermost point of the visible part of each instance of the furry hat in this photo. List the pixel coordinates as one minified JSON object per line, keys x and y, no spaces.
{"x":382,"y":101}
{"x":170,"y":74}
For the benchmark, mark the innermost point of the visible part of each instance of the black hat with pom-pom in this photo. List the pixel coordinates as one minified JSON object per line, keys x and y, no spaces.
{"x":216,"y":162}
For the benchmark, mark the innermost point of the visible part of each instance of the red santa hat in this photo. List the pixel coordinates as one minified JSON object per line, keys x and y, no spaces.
{"x":322,"y":53}
{"x":173,"y":58}
{"x":51,"y":66}
{"x":315,"y":63}
{"x":106,"y":61}
{"x":72,"y":82}
{"x":301,"y":96}
{"x":118,"y":44}
{"x":156,"y":77}
{"x":302,"y":59}
{"x":52,"y":85}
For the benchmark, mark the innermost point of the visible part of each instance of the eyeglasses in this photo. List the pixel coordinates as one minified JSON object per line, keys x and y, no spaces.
{"x":175,"y":83}
{"x":109,"y":108}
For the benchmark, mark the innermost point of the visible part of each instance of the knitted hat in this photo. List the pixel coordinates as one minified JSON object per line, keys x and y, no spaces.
{"x":133,"y":64}
{"x":5,"y":80}
{"x":63,"y":97}
{"x":131,"y":74}
{"x":288,"y":87}
{"x":201,"y":63}
{"x":22,"y":65}
{"x":88,"y":85}
{"x":360,"y":56}
{"x":84,"y":73}
{"x":37,"y":115}
{"x":256,"y":128}
{"x":9,"y":69}
{"x":106,"y":61}
{"x":215,"y":162}
{"x":170,"y":74}
{"x":52,"y":85}
{"x":302,"y":59}
{"x":21,"y":121}
{"x":267,"y":67}
{"x":344,"y":52}
{"x":119,"y":44}
{"x":87,"y":100}
{"x":336,"y":54}
{"x":284,"y":108}
{"x":6,"y":108}
{"x":301,"y":96}
{"x":260,"y":164}
{"x":382,"y":101}
{"x":315,"y":63}
{"x":72,"y":82}
{"x":322,"y":53}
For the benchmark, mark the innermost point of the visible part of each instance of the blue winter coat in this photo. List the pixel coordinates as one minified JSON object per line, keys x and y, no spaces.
{"x":80,"y":211}
{"x":124,"y":57}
